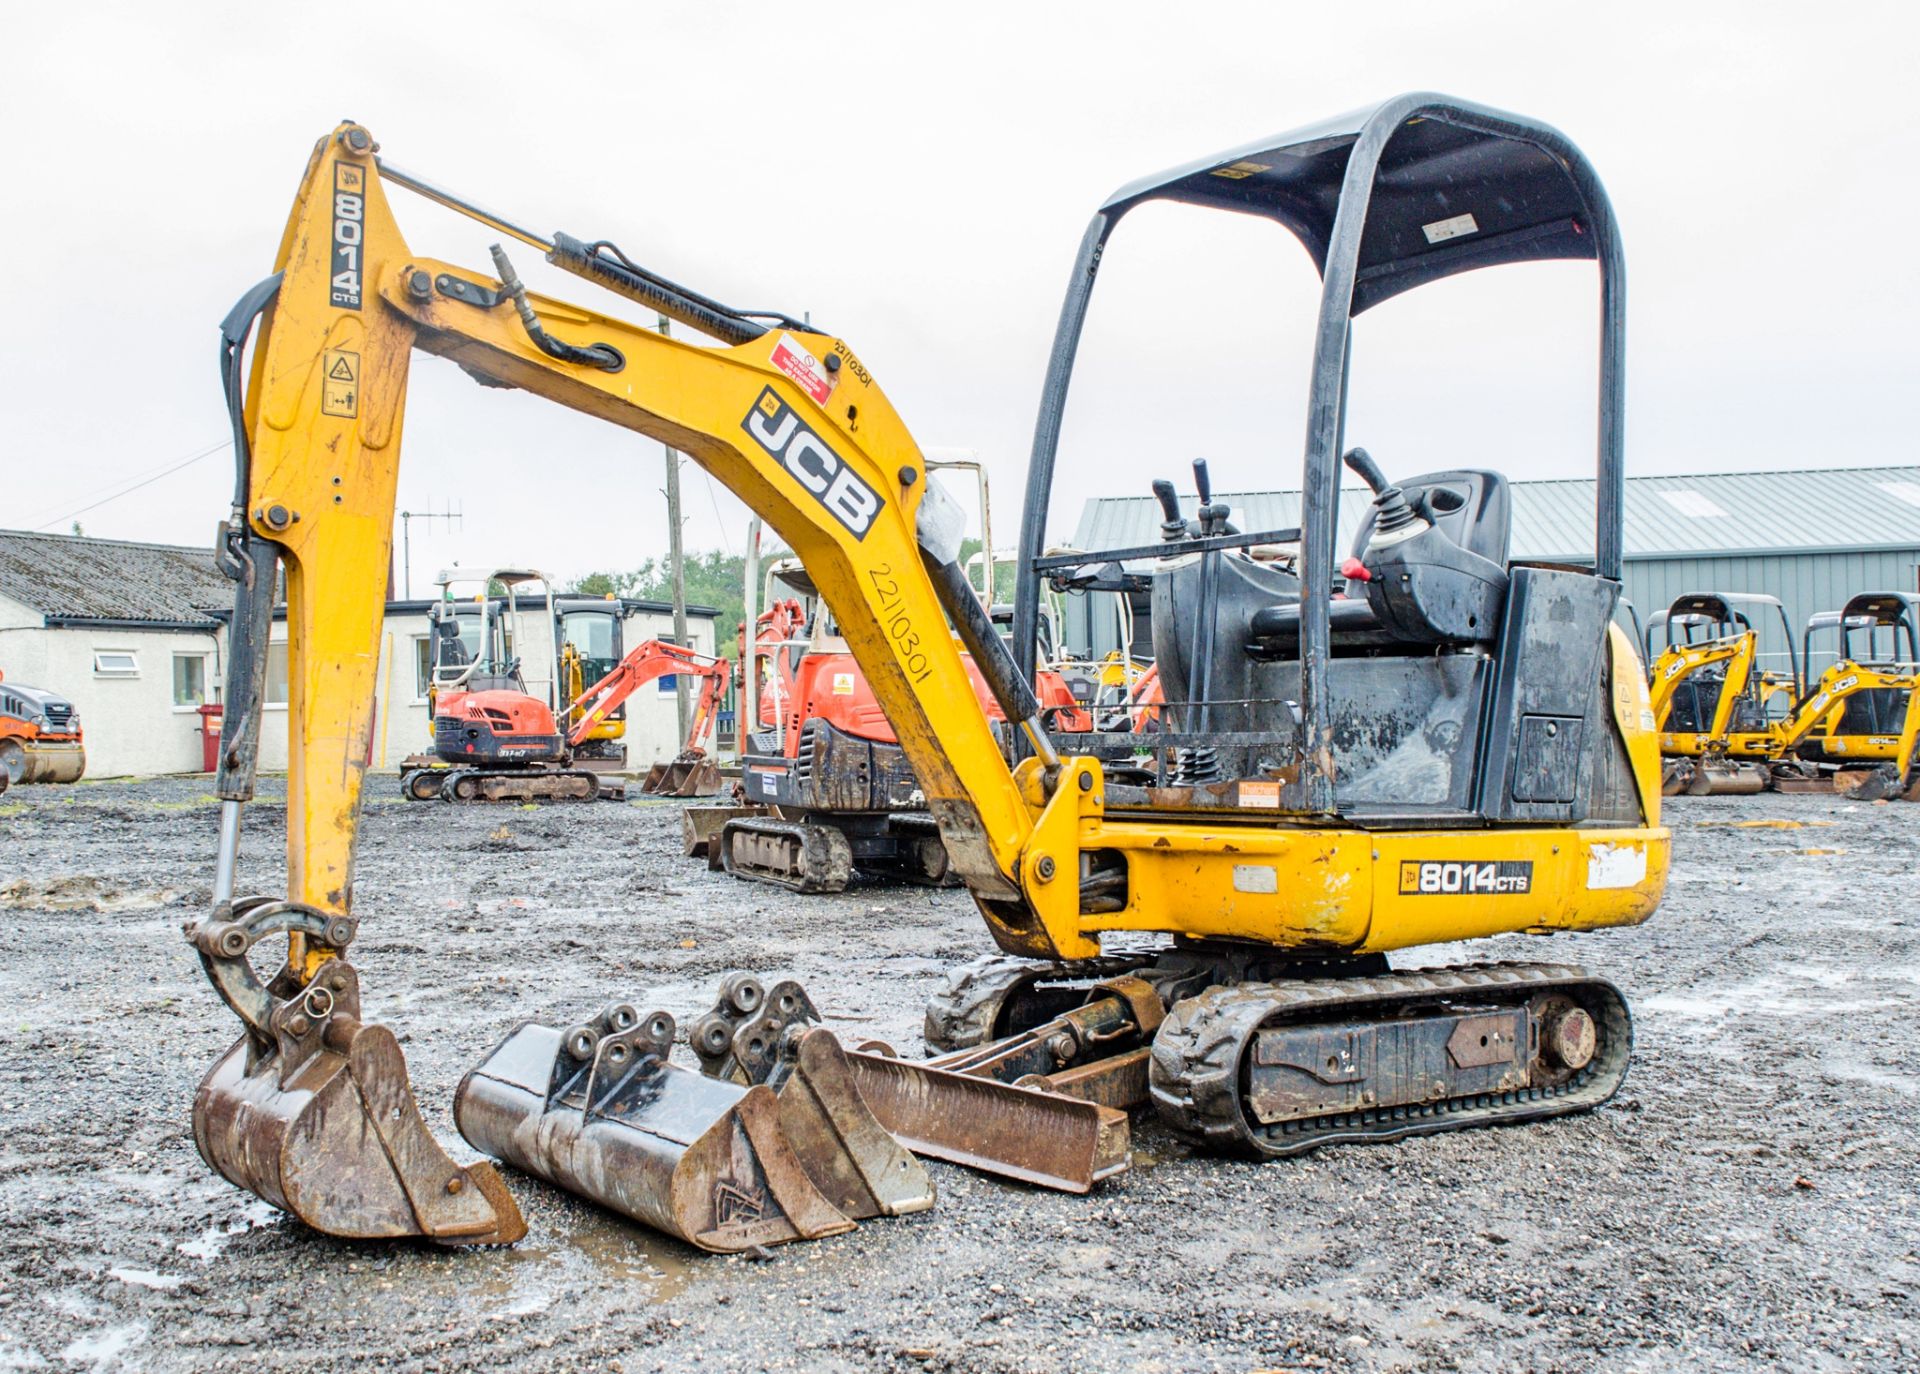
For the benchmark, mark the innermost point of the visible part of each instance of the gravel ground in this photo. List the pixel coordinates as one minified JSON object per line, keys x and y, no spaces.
{"x":1747,"y":1201}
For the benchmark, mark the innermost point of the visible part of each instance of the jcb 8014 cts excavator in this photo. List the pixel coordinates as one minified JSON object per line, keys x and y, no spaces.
{"x":1876,"y":727}
{"x":1461,"y":746}
{"x":1707,"y":680}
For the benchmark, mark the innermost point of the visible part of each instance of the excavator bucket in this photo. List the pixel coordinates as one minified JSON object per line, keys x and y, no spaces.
{"x":326,"y":1127}
{"x":756,"y":1035}
{"x":600,"y":1111}
{"x":1876,"y":784}
{"x":692,"y":774}
{"x":1726,"y":778}
{"x":1065,"y":1131}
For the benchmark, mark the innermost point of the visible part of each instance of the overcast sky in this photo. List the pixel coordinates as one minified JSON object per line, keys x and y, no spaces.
{"x":920,"y":183}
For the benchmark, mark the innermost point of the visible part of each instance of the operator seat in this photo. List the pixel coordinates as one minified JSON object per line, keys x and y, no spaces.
{"x":1470,"y":506}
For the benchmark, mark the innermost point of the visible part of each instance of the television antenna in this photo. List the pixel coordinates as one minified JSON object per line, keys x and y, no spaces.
{"x":455,"y":520}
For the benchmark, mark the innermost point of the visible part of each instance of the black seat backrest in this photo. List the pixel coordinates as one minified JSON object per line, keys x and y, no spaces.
{"x":1470,"y":505}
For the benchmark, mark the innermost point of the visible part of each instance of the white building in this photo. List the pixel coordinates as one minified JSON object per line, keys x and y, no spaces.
{"x":135,"y":636}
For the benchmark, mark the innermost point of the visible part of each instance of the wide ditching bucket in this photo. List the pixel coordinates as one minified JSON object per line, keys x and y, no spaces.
{"x":725,"y":1166}
{"x":324,"y":1125}
{"x":692,"y":774}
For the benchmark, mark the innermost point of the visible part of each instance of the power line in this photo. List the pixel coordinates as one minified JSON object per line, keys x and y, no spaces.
{"x":148,"y":481}
{"x":714,"y":501}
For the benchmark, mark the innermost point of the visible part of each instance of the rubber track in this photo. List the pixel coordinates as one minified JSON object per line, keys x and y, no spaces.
{"x":824,"y":865}
{"x":1195,"y":1072}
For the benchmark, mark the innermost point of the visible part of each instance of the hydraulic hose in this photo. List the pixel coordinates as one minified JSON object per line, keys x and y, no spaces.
{"x":601,"y":355}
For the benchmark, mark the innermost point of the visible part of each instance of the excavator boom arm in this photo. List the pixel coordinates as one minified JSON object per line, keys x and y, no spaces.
{"x":791,"y":422}
{"x":654,"y":659}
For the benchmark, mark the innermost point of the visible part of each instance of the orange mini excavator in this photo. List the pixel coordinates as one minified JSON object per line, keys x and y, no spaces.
{"x":501,"y":743}
{"x":828,"y":787}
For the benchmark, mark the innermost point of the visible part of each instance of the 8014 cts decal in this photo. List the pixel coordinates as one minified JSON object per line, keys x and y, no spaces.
{"x":1452,"y":877}
{"x":349,"y":234}
{"x":779,"y":431}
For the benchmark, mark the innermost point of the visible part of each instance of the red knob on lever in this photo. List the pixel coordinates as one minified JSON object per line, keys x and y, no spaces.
{"x":1355,"y":571}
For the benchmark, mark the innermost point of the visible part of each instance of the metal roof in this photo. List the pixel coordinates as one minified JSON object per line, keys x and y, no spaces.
{"x":1699,"y":515}
{"x":72,"y":578}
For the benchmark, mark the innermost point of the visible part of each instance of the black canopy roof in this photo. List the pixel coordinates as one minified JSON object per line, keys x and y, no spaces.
{"x":1458,"y":187}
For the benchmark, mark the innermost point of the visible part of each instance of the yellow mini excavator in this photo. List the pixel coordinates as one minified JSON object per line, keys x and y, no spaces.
{"x":1727,"y":726}
{"x":1706,"y":682}
{"x":1460,"y":745}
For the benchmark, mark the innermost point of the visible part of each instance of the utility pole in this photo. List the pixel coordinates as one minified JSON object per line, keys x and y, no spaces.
{"x":749,"y":703}
{"x":676,"y":560}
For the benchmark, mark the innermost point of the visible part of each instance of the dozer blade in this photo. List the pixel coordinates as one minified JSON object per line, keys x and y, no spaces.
{"x":326,"y":1128}
{"x":1044,"y":1138}
{"x":598,"y":1110}
{"x":699,"y":825}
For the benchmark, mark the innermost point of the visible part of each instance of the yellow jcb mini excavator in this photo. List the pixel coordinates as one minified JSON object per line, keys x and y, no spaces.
{"x":1459,"y":747}
{"x":1869,"y":737}
{"x":1706,"y":682}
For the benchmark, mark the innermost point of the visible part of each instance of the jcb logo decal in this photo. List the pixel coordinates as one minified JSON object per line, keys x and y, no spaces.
{"x":816,"y":467}
{"x":1436,"y":877}
{"x":349,"y":234}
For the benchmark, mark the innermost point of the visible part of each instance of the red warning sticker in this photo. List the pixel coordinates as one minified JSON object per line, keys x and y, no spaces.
{"x":803,"y":367}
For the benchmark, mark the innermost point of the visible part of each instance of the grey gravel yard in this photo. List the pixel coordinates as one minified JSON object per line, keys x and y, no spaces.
{"x":1747,"y":1202}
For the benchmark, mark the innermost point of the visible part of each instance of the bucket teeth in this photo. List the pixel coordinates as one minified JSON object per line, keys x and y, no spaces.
{"x":723,"y":1165}
{"x":326,"y":1127}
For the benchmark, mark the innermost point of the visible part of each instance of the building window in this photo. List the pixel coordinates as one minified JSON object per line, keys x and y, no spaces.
{"x":189,"y":679}
{"x":277,"y":673}
{"x":115,"y":663}
{"x":422,"y":666}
